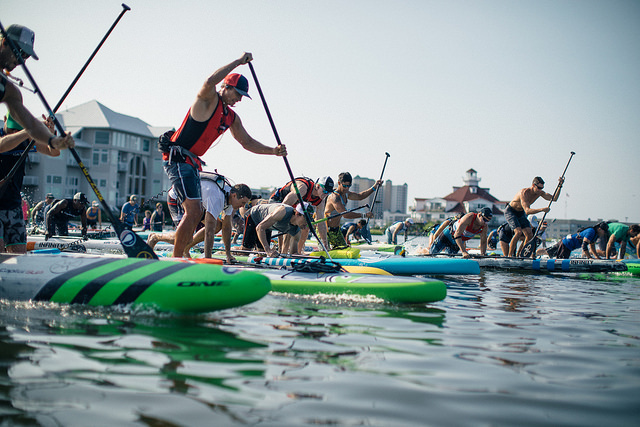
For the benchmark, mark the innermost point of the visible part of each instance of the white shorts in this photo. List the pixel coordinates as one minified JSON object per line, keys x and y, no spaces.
{"x":213,"y":199}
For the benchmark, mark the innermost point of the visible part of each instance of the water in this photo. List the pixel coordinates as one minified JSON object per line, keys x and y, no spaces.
{"x":502,"y":349}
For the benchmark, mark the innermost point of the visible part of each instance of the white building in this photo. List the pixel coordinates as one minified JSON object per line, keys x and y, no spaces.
{"x":119,"y":151}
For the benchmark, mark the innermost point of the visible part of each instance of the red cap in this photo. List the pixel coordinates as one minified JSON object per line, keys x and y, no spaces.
{"x":239,"y":83}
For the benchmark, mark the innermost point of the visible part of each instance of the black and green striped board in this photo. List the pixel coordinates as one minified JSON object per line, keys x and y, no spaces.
{"x":105,"y":280}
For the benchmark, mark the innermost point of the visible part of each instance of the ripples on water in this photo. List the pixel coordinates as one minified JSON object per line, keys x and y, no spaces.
{"x":502,"y":349}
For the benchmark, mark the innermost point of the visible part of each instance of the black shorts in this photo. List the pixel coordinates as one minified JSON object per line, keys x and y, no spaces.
{"x":250,"y":238}
{"x":505,"y":235}
{"x":516,"y":219}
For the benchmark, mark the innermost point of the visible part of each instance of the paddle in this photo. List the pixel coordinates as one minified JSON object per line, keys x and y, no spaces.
{"x":286,"y":161}
{"x":365,"y":232}
{"x":25,"y":153}
{"x":134,"y":245}
{"x":339,"y":214}
{"x":529,"y":250}
{"x":375,"y":196}
{"x":327,"y":218}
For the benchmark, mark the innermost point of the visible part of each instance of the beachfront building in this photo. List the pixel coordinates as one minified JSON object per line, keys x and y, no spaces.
{"x":119,"y":151}
{"x":468,"y":198}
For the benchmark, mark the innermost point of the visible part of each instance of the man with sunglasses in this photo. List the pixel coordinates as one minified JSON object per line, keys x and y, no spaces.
{"x":209,"y":117}
{"x":518,"y":209}
{"x":22,"y":38}
{"x":336,"y":203}
{"x":312,"y":192}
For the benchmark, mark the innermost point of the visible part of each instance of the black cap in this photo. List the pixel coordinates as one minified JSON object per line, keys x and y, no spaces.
{"x":486,"y":212}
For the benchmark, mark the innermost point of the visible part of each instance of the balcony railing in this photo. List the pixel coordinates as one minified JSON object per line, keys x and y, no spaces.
{"x":72,"y":162}
{"x":30,"y":180}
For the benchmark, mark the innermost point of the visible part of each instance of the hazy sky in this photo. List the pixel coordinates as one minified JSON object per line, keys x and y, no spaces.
{"x":508,"y":88}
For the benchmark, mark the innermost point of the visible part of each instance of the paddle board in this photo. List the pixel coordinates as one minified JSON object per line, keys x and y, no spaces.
{"x":73,"y":244}
{"x":111,"y":280}
{"x":552,"y":264}
{"x":394,"y":289}
{"x":396,"y":264}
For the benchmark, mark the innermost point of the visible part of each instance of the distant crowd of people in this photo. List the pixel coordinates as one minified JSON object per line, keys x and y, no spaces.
{"x":521,"y":229}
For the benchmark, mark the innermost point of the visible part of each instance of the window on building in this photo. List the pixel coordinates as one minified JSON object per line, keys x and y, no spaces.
{"x":102,"y":137}
{"x":100,"y":156}
{"x":54,"y":179}
{"x":145,"y":145}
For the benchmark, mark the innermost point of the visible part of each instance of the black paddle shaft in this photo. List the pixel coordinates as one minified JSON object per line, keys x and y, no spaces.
{"x":375,"y":196}
{"x":530,"y":248}
{"x":24,"y":154}
{"x":286,"y":161}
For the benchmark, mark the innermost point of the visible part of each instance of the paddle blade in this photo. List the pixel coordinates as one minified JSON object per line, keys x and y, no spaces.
{"x":134,"y":246}
{"x":529,"y":250}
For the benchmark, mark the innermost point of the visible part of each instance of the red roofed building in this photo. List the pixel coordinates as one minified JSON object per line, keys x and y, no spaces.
{"x":468,"y":198}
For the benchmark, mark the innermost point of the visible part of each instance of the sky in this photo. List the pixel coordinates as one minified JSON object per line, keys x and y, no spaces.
{"x":508,"y":88}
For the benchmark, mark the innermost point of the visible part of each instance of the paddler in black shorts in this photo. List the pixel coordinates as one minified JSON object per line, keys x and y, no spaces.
{"x":518,"y":209}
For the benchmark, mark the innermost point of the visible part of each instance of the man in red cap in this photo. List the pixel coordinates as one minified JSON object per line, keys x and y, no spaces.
{"x":208,"y":118}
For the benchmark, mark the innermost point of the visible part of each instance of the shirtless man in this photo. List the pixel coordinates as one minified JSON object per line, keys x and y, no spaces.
{"x":336,"y":203}
{"x":518,"y":209}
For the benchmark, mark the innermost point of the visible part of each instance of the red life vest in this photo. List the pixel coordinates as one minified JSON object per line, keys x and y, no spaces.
{"x":468,"y":232}
{"x":197,"y":136}
{"x":281,"y":193}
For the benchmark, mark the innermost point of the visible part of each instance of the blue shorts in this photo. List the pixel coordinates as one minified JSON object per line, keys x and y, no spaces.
{"x":516,"y":219}
{"x":185,"y":180}
{"x":444,"y":243}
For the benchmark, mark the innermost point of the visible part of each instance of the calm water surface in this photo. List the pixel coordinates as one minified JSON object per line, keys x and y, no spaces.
{"x":503,"y":349}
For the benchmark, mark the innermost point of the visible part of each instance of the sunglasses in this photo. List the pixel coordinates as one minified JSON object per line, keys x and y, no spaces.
{"x":486,"y":219}
{"x":540,"y":188}
{"x":345,"y":185}
{"x":324,"y":190}
{"x":23,"y":54}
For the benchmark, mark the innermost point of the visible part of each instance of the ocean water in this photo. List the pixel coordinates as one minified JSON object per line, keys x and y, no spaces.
{"x":503,"y":349}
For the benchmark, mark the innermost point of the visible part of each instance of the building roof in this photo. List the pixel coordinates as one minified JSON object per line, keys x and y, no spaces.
{"x":93,"y":114}
{"x":459,"y":208}
{"x":464,"y":194}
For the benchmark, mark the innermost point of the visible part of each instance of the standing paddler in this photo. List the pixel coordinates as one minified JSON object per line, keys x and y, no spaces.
{"x":13,"y":237}
{"x":208,"y":118}
{"x":518,"y":209}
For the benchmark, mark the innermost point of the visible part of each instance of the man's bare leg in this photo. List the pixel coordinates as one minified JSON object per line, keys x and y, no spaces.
{"x":188,"y":224}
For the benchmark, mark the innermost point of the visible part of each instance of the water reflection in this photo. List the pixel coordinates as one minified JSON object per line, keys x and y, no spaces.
{"x":76,"y":352}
